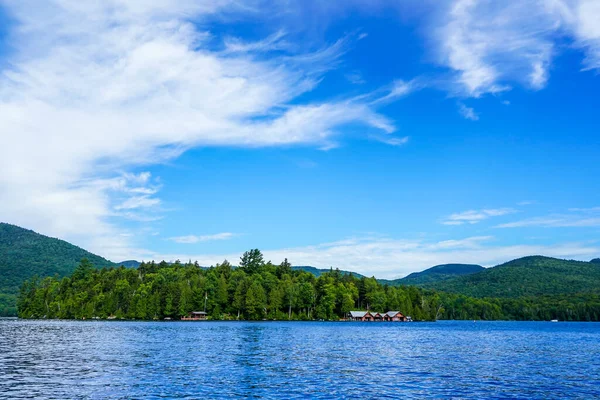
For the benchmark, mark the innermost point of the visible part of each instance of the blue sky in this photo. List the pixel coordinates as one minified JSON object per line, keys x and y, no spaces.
{"x":370,"y":136}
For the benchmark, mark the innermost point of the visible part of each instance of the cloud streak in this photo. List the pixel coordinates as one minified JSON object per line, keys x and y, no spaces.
{"x":393,"y":258}
{"x":191,"y":239}
{"x":492,"y":45}
{"x":476,"y":216}
{"x":577,"y":218}
{"x":467,"y":112}
{"x":96,"y":87}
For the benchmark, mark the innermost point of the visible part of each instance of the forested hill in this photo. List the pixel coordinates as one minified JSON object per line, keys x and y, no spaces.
{"x":436,"y":274}
{"x":25,"y":253}
{"x":315,"y":271}
{"x":527,"y":276}
{"x":320,"y":271}
{"x":257,"y":290}
{"x":130,"y":263}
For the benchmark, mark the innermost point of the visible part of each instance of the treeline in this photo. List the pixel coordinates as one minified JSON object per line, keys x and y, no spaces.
{"x":255,"y":290}
{"x":579,"y":307}
{"x":24,"y":253}
{"x":259,"y":290}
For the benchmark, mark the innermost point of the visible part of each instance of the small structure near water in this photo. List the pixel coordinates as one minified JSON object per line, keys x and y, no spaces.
{"x":195,"y":316}
{"x":390,"y":316}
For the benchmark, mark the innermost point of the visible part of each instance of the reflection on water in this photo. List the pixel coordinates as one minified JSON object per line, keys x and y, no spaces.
{"x":68,"y":359}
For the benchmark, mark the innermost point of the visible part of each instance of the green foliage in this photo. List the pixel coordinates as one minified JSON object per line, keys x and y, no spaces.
{"x":579,"y":307}
{"x":24,"y":253}
{"x":527,"y":277}
{"x":257,"y":291}
{"x":266,"y":291}
{"x":252,"y":261}
{"x":320,"y":271}
{"x":530,"y":288}
{"x":436,"y":274}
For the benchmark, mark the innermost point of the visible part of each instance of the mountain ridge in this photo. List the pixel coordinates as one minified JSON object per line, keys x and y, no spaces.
{"x":436,"y":273}
{"x":25,"y":253}
{"x":527,"y":276}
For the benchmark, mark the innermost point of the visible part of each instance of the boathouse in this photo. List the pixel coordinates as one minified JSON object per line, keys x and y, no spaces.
{"x":390,"y":316}
{"x":360,"y":316}
{"x":394,"y":316}
{"x":195,"y":316}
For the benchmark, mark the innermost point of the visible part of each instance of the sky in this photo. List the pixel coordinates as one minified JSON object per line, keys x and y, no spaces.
{"x":377,"y":136}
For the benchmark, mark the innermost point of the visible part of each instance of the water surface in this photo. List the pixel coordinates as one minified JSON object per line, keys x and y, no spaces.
{"x":109,"y":359}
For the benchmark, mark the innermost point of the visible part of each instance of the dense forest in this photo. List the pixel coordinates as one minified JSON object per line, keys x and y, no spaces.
{"x":527,"y":277}
{"x":259,"y":290}
{"x":25,"y":253}
{"x":435,"y":274}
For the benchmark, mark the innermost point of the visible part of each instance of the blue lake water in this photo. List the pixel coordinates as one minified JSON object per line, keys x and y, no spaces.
{"x":527,"y":360}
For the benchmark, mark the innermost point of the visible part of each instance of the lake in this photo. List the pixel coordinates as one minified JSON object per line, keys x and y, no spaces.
{"x":109,"y":359}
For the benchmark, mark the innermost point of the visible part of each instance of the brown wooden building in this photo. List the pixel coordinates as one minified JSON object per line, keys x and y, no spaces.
{"x":390,"y":316}
{"x":195,"y":316}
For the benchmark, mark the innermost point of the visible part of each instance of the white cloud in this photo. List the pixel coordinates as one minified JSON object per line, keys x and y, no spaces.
{"x":399,"y":89}
{"x":138,"y":202}
{"x":491,"y":45}
{"x":526,"y":202}
{"x":587,"y":28}
{"x":94,"y":87}
{"x":467,"y":112}
{"x":476,"y":216}
{"x":271,"y":43}
{"x":392,"y":141}
{"x":190,"y":239}
{"x":393,"y":258}
{"x":577,"y":218}
{"x":355,"y":78}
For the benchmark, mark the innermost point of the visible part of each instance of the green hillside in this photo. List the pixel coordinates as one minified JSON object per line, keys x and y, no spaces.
{"x":528,"y":276}
{"x":318,"y":272}
{"x":130,"y":263}
{"x":436,"y":274}
{"x":24,"y":253}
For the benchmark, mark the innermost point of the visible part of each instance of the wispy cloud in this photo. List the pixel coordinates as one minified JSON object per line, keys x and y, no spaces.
{"x":576,"y":218}
{"x":467,"y":112}
{"x":393,"y":258}
{"x":95,"y":87}
{"x":271,"y":43}
{"x":392,"y":141}
{"x":355,"y":78}
{"x":138,"y":202}
{"x":190,"y":239}
{"x":398,"y":89}
{"x":526,"y":202}
{"x":491,"y":45}
{"x":476,"y":216}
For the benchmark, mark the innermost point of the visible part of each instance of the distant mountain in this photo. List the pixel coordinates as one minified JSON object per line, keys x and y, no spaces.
{"x":130,"y":263}
{"x":595,"y":261}
{"x":318,"y":272}
{"x":25,"y":253}
{"x":527,"y":276}
{"x":436,"y":274}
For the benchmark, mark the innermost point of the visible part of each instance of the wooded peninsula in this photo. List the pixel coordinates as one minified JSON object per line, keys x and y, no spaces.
{"x":259,"y":290}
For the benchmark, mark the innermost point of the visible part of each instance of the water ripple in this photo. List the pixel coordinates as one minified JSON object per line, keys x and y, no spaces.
{"x":129,"y":360}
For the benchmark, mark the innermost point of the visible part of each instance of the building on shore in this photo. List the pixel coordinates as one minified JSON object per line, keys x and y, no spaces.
{"x":195,"y":316}
{"x":390,"y":316}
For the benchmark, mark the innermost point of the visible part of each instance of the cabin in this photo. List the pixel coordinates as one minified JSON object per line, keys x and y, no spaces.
{"x":394,"y":316}
{"x":390,"y":316}
{"x":360,"y":316}
{"x":195,"y":316}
